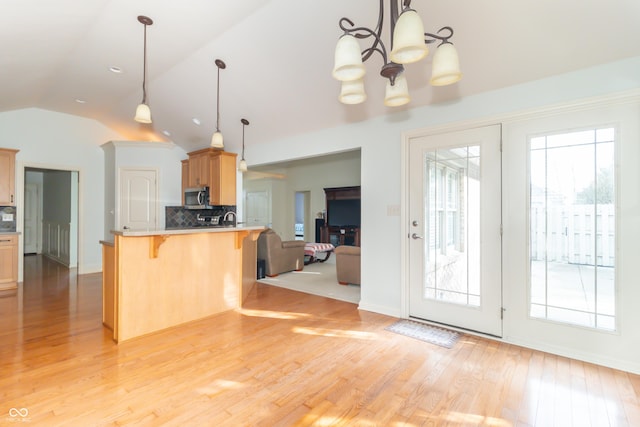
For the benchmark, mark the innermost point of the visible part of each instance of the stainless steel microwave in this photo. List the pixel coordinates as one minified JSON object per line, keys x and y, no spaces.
{"x":196,"y":198}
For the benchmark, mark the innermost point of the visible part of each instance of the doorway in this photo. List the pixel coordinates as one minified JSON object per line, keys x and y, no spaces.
{"x":455,"y":215}
{"x":51,"y":232}
{"x":302,"y":208}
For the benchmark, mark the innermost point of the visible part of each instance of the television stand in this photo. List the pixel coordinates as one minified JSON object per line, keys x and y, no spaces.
{"x":340,"y":235}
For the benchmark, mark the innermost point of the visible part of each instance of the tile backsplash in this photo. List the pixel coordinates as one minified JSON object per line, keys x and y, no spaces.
{"x":7,"y":218}
{"x":179,"y":217}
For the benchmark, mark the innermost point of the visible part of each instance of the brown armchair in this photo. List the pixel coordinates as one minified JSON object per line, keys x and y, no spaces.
{"x":348,"y":264}
{"x":280,"y":257}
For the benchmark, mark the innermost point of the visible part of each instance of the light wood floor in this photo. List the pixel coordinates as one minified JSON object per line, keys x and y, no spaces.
{"x":286,"y":359}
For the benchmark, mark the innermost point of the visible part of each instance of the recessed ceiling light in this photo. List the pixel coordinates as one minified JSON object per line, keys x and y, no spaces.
{"x":115,"y":69}
{"x":166,"y":133}
{"x":81,"y":101}
{"x":196,"y":121}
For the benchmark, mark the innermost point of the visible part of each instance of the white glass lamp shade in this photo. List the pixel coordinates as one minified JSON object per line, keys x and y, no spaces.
{"x":143,"y":114}
{"x":446,"y":66}
{"x":242,"y":167}
{"x":408,"y":39}
{"x":398,"y":94}
{"x":352,"y":92}
{"x":217,"y":141}
{"x":348,"y":60}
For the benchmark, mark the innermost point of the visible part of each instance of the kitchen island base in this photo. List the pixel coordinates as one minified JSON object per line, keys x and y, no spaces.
{"x":163,"y":279}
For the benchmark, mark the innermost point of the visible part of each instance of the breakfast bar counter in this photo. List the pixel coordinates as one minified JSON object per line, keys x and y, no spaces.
{"x":154,"y":279}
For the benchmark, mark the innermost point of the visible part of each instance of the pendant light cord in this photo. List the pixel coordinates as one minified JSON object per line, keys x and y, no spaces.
{"x":243,"y":140}
{"x":144,"y":68}
{"x":218,"y":102}
{"x":244,"y":122}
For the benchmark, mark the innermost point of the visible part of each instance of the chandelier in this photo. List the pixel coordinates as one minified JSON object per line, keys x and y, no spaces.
{"x":408,"y":43}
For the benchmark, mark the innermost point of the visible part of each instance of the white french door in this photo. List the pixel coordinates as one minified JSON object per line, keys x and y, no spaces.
{"x":454,"y":230}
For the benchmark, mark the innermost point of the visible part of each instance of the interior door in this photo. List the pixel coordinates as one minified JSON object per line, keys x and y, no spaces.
{"x":138,"y":199}
{"x":455,"y":238}
{"x":257,"y":208}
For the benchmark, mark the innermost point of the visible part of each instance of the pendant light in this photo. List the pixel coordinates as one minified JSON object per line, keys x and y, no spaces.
{"x":242,"y":167}
{"x":217,"y":141}
{"x":143,"y":113}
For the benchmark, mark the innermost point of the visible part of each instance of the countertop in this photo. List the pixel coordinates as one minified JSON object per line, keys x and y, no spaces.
{"x":175,"y":231}
{"x":8,"y":233}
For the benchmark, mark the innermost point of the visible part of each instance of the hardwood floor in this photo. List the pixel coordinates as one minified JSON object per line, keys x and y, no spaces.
{"x":285,"y":359}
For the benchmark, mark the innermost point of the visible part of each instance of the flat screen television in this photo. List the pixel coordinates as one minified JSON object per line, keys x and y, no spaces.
{"x":343,"y":213}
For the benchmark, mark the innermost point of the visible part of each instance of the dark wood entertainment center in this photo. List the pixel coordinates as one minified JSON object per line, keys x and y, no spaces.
{"x":347,"y":234}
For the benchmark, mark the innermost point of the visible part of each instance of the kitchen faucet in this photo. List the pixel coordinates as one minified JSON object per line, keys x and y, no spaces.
{"x":226,"y":215}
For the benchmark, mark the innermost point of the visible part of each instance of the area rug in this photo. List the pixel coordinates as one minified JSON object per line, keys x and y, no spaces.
{"x":428,"y":333}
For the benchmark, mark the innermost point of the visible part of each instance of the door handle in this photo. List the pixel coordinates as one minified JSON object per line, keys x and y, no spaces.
{"x":414,"y":236}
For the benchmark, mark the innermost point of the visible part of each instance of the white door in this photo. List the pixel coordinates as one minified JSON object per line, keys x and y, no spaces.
{"x":32,"y":234}
{"x":257,"y":208}
{"x":455,"y":242}
{"x":138,"y":199}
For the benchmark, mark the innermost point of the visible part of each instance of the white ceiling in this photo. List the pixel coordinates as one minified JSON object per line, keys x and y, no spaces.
{"x":279,"y":56}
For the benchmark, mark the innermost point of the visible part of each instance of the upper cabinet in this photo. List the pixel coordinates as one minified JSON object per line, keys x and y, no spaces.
{"x":185,"y":177}
{"x":7,"y":177}
{"x":215,"y":169}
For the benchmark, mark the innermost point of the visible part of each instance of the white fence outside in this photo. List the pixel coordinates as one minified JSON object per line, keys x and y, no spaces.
{"x":577,"y":234}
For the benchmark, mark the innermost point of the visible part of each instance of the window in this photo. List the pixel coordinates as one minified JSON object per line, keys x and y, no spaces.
{"x":452,"y":213}
{"x":572,"y":228}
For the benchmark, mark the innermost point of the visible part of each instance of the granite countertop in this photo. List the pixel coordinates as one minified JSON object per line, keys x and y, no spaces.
{"x":175,"y":231}
{"x":6,"y":233}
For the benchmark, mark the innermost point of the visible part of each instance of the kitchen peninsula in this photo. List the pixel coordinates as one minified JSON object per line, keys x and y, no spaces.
{"x":156,"y":279}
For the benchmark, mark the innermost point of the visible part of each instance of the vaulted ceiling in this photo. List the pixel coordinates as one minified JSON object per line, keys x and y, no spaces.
{"x":279,"y":56}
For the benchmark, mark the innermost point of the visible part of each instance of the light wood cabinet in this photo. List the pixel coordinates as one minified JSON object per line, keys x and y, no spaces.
{"x":8,"y":261}
{"x":7,"y":176}
{"x":185,"y":177}
{"x":215,"y":169}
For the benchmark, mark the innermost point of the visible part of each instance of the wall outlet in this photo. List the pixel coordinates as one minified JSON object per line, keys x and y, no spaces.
{"x":7,"y":217}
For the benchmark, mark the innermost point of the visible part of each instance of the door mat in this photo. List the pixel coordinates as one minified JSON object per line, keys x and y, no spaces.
{"x":428,"y":333}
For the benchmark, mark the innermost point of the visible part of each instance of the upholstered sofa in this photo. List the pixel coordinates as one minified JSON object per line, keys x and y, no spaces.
{"x":348,"y":264}
{"x":280,"y":256}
